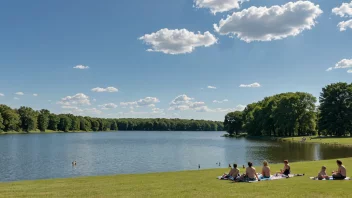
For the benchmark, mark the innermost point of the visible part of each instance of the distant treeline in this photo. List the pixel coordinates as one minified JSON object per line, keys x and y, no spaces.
{"x":295,"y":114}
{"x":26,"y":119}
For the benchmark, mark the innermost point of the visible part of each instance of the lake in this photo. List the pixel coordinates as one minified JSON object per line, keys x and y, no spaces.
{"x":41,"y":156}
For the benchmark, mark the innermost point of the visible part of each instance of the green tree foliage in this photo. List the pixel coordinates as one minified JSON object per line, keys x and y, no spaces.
{"x":2,"y":127}
{"x":11,"y":119}
{"x":28,"y":118}
{"x":335,"y":111}
{"x":65,"y":123}
{"x":54,"y":120}
{"x":287,"y":114}
{"x":43,"y":120}
{"x":233,"y":122}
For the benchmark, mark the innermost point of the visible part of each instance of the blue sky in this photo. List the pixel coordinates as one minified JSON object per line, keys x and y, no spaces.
{"x":283,"y":48}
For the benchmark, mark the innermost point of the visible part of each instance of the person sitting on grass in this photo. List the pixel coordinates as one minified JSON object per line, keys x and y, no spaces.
{"x":250,"y":175}
{"x":322,"y":174}
{"x":340,"y":174}
{"x":287,"y":168}
{"x":233,"y":174}
{"x":265,"y":170}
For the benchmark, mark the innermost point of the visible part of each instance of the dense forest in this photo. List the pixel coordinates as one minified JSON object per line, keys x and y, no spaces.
{"x":295,"y":114}
{"x":25,"y":119}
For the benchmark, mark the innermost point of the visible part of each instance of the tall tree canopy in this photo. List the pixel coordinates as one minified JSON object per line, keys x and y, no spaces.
{"x":335,"y":117}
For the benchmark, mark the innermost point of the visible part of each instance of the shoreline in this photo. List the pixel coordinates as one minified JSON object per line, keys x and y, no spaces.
{"x":189,"y":183}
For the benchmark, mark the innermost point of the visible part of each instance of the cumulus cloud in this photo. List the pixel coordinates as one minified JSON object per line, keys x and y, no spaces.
{"x":108,"y":89}
{"x":273,"y":23}
{"x":178,"y":41}
{"x":344,"y":10}
{"x":80,"y":67}
{"x":211,"y":87}
{"x":183,"y":102}
{"x":19,"y":93}
{"x":342,"y":64}
{"x":217,"y":110}
{"x":343,"y":25}
{"x":157,"y":111}
{"x":1,"y":94}
{"x":108,"y":106}
{"x":15,"y":98}
{"x":253,"y":85}
{"x":216,"y":6}
{"x":349,"y":71}
{"x":147,"y":101}
{"x":69,"y":107}
{"x":78,"y":99}
{"x":35,"y":94}
{"x":220,"y":101}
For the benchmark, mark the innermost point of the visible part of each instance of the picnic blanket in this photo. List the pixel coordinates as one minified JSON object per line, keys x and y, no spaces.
{"x":272,"y":177}
{"x":330,"y":178}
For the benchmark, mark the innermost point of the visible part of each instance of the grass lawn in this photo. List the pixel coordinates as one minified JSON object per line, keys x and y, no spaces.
{"x":185,"y":184}
{"x":346,"y":141}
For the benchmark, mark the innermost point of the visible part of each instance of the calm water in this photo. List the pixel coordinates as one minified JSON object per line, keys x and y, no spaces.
{"x":39,"y":156}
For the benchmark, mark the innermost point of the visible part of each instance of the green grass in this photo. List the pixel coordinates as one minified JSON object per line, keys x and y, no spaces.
{"x":346,"y":141}
{"x":185,"y":184}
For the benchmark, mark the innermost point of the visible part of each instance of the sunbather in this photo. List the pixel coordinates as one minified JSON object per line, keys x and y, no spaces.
{"x":322,"y":174}
{"x":340,"y":174}
{"x":251,"y":174}
{"x":287,"y":168}
{"x":233,"y":174}
{"x":265,"y":170}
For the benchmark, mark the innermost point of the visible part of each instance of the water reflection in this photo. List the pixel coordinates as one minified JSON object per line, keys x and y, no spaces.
{"x":38,"y":156}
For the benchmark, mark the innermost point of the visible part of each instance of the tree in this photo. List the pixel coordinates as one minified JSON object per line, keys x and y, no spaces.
{"x":113,"y":126}
{"x":65,"y":123}
{"x":336,"y":109}
{"x":2,"y":127}
{"x":54,"y":120}
{"x":43,"y":120}
{"x":28,"y":118}
{"x":233,"y":122}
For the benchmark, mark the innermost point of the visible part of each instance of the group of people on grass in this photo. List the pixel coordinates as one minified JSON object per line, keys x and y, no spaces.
{"x":340,"y":174}
{"x":251,"y":173}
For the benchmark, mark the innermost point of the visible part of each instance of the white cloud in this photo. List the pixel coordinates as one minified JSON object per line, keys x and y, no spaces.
{"x":253,"y":85}
{"x":78,"y":99}
{"x":218,"y":5}
{"x":1,"y":94}
{"x":217,"y":110}
{"x":183,"y":102}
{"x":344,"y":10}
{"x":108,"y":106}
{"x":157,"y":111}
{"x":108,"y":89}
{"x":178,"y":41}
{"x":349,"y":71}
{"x":94,"y":111}
{"x":342,"y":64}
{"x":35,"y":94}
{"x":273,"y":23}
{"x":343,"y":25}
{"x":211,"y":87}
{"x":147,"y":101}
{"x":69,"y":107}
{"x":16,"y":98}
{"x":125,"y":104}
{"x":19,"y":93}
{"x":220,"y":101}
{"x":80,"y":67}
